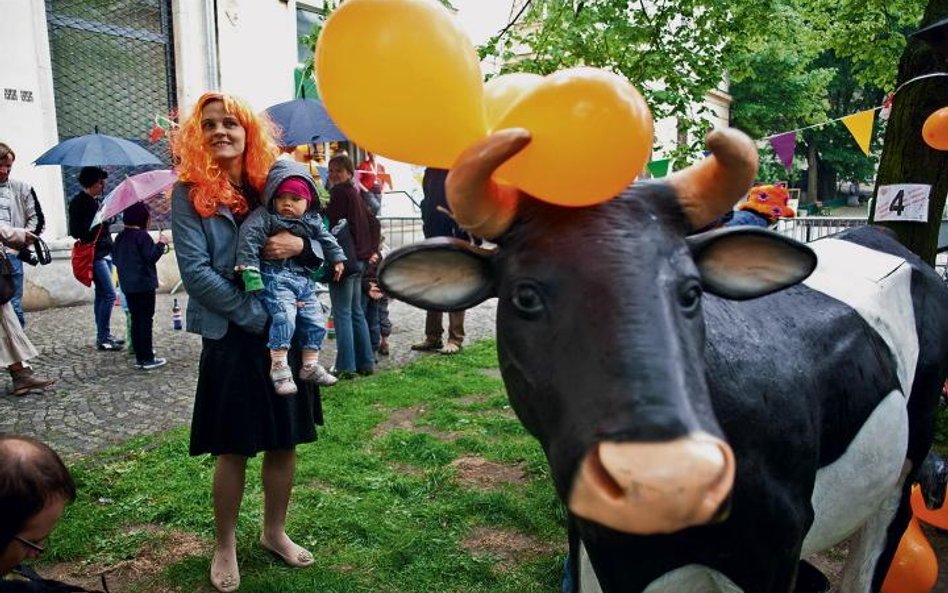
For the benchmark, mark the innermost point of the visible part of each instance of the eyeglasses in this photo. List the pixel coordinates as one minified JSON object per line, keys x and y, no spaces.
{"x":31,"y":545}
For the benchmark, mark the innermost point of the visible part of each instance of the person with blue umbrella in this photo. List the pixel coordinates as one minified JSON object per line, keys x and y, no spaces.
{"x":82,"y":209}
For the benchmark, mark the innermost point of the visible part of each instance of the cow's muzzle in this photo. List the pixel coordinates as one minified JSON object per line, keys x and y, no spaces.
{"x":647,"y":488}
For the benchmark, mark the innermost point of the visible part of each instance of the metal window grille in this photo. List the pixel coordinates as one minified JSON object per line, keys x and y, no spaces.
{"x":113,"y":71}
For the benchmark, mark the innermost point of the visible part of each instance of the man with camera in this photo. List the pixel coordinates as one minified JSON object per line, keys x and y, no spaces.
{"x":19,"y":208}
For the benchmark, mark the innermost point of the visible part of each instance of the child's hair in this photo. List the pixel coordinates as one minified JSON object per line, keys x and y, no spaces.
{"x":211,"y":187}
{"x":136,"y":215}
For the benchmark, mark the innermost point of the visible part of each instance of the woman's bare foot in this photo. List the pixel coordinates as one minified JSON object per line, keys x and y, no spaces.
{"x":225,"y":574}
{"x":282,"y":546}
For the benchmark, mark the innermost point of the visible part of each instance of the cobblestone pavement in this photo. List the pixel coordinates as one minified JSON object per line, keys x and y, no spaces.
{"x":100,"y":399}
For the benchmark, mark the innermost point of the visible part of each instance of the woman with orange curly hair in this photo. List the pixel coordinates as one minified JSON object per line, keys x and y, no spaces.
{"x":225,"y":151}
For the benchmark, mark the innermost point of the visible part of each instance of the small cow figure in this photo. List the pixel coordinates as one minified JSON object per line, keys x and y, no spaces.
{"x":713,"y":407}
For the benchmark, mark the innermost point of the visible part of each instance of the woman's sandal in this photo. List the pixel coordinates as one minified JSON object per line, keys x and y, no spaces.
{"x":224,"y":581}
{"x":301,"y":559}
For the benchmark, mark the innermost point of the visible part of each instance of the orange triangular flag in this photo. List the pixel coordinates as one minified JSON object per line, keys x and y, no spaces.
{"x":860,"y":126}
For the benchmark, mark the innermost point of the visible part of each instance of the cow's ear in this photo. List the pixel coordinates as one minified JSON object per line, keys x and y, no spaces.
{"x":748,"y":262}
{"x":439,"y":274}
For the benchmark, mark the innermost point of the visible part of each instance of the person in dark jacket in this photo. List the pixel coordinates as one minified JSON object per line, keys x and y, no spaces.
{"x":82,"y":209}
{"x":353,"y":344}
{"x":437,"y":223}
{"x":135,"y":255}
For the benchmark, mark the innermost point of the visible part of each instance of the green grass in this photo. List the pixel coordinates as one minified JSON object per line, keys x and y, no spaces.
{"x":381,"y":510}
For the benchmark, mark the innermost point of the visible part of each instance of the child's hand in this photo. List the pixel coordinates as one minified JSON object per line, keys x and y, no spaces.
{"x":337,"y":269}
{"x":375,"y":293}
{"x":163,"y":239}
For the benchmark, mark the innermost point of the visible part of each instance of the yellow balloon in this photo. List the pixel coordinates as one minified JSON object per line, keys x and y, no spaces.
{"x":592,"y":135}
{"x":502,"y":92}
{"x":401,"y":78}
{"x":935,"y":129}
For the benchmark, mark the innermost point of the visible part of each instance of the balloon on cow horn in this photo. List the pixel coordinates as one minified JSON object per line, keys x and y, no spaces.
{"x":709,"y":188}
{"x":417,"y":49}
{"x":935,"y":129}
{"x":481,"y":205}
{"x":501,"y":92}
{"x":592,"y":135}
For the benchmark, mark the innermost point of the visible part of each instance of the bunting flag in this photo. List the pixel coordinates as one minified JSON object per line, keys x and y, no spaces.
{"x":860,"y":126}
{"x":658,"y":168}
{"x":784,"y":145}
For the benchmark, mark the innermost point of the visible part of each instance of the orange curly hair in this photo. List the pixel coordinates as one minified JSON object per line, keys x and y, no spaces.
{"x":210,"y":186}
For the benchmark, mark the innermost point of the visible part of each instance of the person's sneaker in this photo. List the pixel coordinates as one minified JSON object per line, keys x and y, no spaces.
{"x":109,"y":345}
{"x":317,"y":374}
{"x":282,"y":378}
{"x":115,"y":340}
{"x":152,"y":364}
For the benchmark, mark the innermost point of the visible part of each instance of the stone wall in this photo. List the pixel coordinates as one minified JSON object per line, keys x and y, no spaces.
{"x":53,"y":285}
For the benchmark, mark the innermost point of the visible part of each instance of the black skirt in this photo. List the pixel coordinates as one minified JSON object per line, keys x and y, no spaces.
{"x":236,"y":410}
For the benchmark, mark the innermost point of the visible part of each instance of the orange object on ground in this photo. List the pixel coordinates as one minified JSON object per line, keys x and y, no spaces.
{"x":937,"y":518}
{"x":914,"y":568}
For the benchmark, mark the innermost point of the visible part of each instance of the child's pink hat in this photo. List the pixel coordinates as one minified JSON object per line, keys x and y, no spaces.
{"x":297,"y":187}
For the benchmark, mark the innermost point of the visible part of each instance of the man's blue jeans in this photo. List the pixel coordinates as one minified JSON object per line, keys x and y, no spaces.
{"x":353,"y":347}
{"x":104,"y":298}
{"x":17,"y":300}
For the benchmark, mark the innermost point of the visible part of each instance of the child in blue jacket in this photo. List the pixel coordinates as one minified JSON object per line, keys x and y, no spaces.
{"x":287,"y":286}
{"x":135,"y":255}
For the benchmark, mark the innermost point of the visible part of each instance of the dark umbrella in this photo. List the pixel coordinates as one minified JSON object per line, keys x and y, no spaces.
{"x":97,"y":149}
{"x":303,"y":121}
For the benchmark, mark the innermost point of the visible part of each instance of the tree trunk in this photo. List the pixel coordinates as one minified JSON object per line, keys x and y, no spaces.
{"x":905,"y":156}
{"x":812,"y":174}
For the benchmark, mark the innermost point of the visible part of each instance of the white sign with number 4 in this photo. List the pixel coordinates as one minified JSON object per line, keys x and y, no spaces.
{"x":903,"y":201}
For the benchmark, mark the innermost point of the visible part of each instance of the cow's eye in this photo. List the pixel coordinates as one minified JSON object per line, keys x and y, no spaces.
{"x":526,"y":298}
{"x":689,"y":297}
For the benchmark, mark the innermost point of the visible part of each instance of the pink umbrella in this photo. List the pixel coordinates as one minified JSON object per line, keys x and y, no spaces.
{"x":133,"y":189}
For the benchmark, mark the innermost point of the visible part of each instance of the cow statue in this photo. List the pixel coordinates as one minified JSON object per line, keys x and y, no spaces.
{"x":713,"y":407}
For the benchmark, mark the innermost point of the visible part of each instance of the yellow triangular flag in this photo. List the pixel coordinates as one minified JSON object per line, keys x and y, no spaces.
{"x":860,"y":126}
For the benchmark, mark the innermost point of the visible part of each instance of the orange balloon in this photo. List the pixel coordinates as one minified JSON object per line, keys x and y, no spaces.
{"x":914,"y":568}
{"x":935,"y":129}
{"x":937,"y":518}
{"x":502,"y":92}
{"x":592,"y":135}
{"x":431,"y":106}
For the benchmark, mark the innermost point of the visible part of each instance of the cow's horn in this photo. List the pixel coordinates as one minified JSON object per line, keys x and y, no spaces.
{"x":480,"y":205}
{"x":709,"y":188}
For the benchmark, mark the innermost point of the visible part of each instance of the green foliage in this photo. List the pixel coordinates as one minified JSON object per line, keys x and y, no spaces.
{"x":816,"y":61}
{"x":379,"y":503}
{"x":672,"y":50}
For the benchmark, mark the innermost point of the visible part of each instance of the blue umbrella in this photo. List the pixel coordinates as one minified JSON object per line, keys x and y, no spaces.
{"x":97,"y":149}
{"x":303,"y":121}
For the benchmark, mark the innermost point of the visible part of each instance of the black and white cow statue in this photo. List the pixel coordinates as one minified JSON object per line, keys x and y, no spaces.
{"x":713,"y":407}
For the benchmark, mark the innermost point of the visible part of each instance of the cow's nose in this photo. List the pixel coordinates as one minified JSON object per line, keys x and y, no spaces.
{"x":654,"y":487}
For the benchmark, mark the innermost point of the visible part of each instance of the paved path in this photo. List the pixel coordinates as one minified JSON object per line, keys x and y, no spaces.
{"x":101,"y":399}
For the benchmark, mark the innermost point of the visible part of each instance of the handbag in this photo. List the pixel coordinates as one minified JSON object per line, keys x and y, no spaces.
{"x":82,"y":256}
{"x":7,"y":288}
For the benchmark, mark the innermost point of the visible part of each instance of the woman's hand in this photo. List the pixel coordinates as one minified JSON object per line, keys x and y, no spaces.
{"x":374,"y":259}
{"x":29,"y":238}
{"x":337,"y":269}
{"x":282,"y":245}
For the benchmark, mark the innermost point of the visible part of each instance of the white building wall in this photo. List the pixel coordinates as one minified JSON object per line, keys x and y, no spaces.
{"x":257,"y":50}
{"x":27,"y":107}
